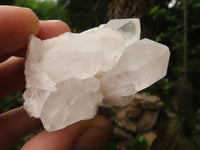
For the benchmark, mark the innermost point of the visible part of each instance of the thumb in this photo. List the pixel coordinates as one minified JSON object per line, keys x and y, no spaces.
{"x":84,"y":135}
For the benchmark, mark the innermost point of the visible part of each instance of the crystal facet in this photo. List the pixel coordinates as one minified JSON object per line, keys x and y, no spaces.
{"x":69,"y":76}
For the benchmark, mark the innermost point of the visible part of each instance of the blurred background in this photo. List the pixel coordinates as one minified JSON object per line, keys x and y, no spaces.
{"x":166,"y":116}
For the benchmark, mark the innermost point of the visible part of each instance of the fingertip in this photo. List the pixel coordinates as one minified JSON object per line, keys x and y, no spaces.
{"x":52,"y":28}
{"x":63,"y":26}
{"x":16,"y":25}
{"x":11,"y":76}
{"x":99,"y":131}
{"x":35,"y":25}
{"x":102,"y":122}
{"x":92,"y":139}
{"x":81,"y":133}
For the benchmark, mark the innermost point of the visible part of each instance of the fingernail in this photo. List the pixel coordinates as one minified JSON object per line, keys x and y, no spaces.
{"x":92,"y":139}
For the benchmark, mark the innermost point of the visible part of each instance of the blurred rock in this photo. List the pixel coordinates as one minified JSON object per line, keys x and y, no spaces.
{"x":125,"y":118}
{"x":170,"y":114}
{"x":127,"y":124}
{"x":122,"y":132}
{"x":129,"y":112}
{"x":147,"y":101}
{"x":147,"y":117}
{"x":150,"y":137}
{"x":140,"y":115}
{"x":147,"y":121}
{"x":106,"y":111}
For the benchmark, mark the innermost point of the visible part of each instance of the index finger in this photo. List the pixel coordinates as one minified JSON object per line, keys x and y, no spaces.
{"x":12,"y":70}
{"x":16,"y":24}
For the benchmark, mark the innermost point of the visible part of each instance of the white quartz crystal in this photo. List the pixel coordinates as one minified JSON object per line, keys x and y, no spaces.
{"x":142,"y":64}
{"x":129,"y":28}
{"x":69,"y":76}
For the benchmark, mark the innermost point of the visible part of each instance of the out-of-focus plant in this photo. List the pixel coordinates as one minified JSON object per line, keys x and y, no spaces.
{"x":192,"y":126}
{"x":112,"y":143}
{"x":10,"y":102}
{"x":82,"y":15}
{"x":170,"y":28}
{"x":46,"y":9}
{"x":6,"y":2}
{"x":137,"y":143}
{"x":178,"y":27}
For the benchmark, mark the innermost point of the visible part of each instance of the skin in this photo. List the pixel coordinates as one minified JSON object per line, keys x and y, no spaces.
{"x":16,"y":24}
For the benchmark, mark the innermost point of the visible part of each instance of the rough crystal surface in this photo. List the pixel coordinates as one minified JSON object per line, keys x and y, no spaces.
{"x":142,"y":64}
{"x":129,"y":28}
{"x":69,"y":76}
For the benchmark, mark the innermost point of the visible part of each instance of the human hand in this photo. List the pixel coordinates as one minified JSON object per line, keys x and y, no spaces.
{"x":16,"y":24}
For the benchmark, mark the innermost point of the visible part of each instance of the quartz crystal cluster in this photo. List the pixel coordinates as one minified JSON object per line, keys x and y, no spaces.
{"x":69,"y":76}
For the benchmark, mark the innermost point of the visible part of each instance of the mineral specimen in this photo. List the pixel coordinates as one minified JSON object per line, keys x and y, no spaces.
{"x":69,"y":76}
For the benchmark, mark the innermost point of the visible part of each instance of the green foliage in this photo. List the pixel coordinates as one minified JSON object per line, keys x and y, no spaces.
{"x":45,"y":10}
{"x":196,"y":140}
{"x":10,"y":102}
{"x":156,"y":12}
{"x":168,"y":25}
{"x":112,"y":143}
{"x":79,"y":15}
{"x":82,"y":15}
{"x":19,"y":144}
{"x":191,"y":124}
{"x":6,"y":2}
{"x":138,"y":143}
{"x":164,"y":88}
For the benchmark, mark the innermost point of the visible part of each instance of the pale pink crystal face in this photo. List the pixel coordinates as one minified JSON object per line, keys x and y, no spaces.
{"x":69,"y":76}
